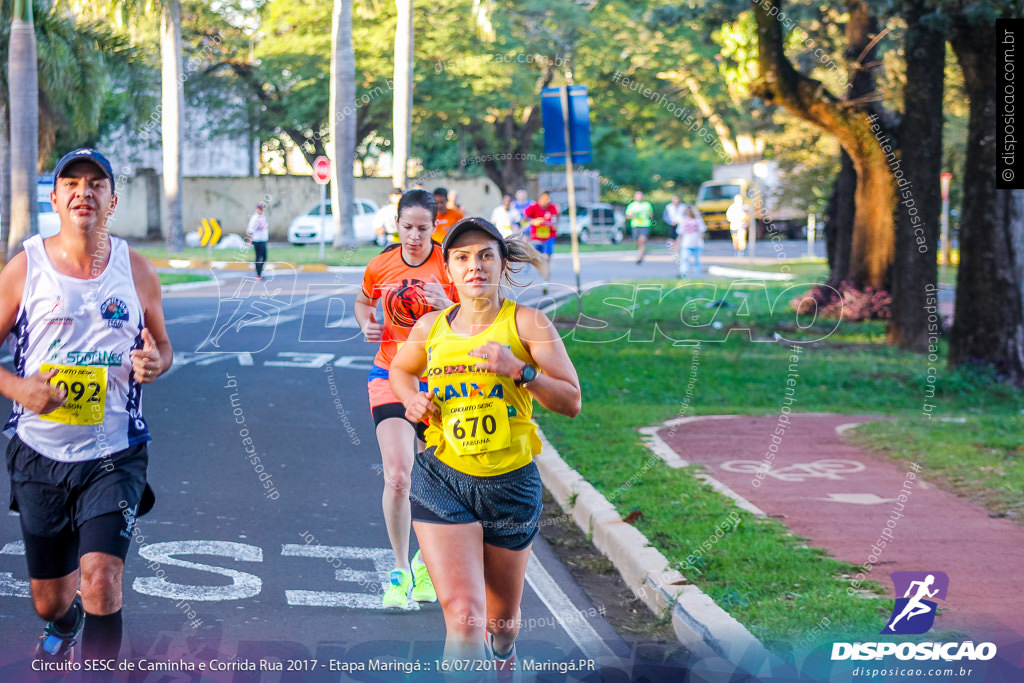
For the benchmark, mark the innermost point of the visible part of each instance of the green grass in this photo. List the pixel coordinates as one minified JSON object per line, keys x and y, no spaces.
{"x":978,"y":456}
{"x":178,"y":278}
{"x":633,"y":376}
{"x":566,"y":247}
{"x":305,"y":255}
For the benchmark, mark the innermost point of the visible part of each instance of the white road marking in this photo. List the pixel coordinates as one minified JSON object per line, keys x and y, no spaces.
{"x":296,"y":359}
{"x":856,"y":498}
{"x":243,"y":585}
{"x":382,"y":559}
{"x":343,"y":322}
{"x":10,"y":586}
{"x":562,"y":608}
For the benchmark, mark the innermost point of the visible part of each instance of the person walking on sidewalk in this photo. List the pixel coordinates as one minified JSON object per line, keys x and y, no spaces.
{"x":691,"y":242}
{"x":639,"y":213}
{"x":476,"y":492}
{"x":83,"y":316}
{"x":258,"y":233}
{"x":410,"y":280}
{"x":673,"y":216}
{"x":739,"y":220}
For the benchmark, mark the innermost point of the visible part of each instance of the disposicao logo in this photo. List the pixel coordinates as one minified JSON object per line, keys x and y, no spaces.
{"x":914,"y":613}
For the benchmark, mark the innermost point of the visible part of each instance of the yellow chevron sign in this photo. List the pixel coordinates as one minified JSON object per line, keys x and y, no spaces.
{"x":210,"y":232}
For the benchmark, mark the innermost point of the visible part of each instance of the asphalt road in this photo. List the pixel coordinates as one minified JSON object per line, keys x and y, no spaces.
{"x":267,"y":543}
{"x":267,"y":546}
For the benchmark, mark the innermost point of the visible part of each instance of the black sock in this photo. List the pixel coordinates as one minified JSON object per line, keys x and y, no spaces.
{"x":101,"y":638}
{"x":67,"y":623}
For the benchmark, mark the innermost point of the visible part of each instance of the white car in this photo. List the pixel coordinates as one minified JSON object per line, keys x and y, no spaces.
{"x":306,"y":228}
{"x":49,"y":220}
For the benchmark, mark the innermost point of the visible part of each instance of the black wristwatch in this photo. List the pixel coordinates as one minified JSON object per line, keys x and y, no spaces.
{"x":526,"y":375}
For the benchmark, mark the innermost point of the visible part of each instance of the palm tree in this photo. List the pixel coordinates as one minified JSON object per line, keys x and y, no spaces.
{"x":23,"y":98}
{"x":172,"y":102}
{"x":172,"y":93}
{"x":78,"y":63}
{"x":402,"y":102}
{"x":343,"y":122}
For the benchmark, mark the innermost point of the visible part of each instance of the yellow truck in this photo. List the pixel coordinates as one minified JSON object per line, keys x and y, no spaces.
{"x":758,"y":184}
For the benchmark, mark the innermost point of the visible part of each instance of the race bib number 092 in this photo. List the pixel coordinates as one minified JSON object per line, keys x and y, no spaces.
{"x":86,"y":389}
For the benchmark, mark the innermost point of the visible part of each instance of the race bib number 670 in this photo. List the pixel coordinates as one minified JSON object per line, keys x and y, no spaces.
{"x":477,"y":426}
{"x":86,"y":389}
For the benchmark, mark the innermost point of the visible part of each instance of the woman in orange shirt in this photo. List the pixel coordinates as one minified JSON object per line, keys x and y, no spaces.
{"x":410,"y":281}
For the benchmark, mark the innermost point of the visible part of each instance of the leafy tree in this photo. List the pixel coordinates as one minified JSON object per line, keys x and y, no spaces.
{"x":84,"y":73}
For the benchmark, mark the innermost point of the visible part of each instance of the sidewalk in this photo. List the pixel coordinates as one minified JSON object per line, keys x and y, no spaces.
{"x":842,"y":499}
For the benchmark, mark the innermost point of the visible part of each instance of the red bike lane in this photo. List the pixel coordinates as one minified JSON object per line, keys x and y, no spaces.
{"x":846,"y":501}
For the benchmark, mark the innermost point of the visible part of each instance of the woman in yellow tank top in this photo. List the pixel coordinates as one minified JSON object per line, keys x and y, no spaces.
{"x":476,"y":493}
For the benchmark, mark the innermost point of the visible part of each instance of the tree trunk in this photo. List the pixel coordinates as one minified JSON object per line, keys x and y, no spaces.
{"x":988,"y":322}
{"x":172,"y":105}
{"x":343,"y":123}
{"x":839,"y":226}
{"x":23,"y":84}
{"x":859,"y":32}
{"x":402,"y":103}
{"x":875,"y":197}
{"x":509,"y":174}
{"x":914,"y":273}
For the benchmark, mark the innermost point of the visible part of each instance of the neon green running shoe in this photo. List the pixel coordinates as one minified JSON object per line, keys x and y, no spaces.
{"x":422,"y":587}
{"x":396,"y":591}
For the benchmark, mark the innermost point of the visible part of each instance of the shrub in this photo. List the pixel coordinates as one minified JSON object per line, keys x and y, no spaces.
{"x":847,"y":302}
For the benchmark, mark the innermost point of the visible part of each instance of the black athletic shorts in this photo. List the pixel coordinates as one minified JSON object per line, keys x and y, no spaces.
{"x":69,"y":509}
{"x":508,"y":505}
{"x":389,"y":410}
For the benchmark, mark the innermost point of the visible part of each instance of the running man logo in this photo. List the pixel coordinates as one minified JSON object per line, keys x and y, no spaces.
{"x":913,"y":613}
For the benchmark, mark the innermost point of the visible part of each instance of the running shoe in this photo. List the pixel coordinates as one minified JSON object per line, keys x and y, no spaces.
{"x":396,"y":592}
{"x":505,"y":667}
{"x":57,"y":646}
{"x":422,"y":586}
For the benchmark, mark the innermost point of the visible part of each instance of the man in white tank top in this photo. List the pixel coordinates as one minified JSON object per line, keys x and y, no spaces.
{"x":83,"y":318}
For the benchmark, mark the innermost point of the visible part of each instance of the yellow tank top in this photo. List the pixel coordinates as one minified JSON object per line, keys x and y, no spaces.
{"x":484,"y":428}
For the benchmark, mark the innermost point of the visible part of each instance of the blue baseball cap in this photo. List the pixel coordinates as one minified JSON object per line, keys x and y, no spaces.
{"x":85,"y":154}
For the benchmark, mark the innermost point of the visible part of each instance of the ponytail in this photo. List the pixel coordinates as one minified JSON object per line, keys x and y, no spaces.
{"x":520,"y":255}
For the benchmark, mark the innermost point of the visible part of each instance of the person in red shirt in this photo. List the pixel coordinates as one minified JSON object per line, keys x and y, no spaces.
{"x":542,"y":217}
{"x":410,"y":280}
{"x":447,"y":216}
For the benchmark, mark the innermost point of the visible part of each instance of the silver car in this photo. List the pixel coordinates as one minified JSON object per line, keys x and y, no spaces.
{"x":597,"y":223}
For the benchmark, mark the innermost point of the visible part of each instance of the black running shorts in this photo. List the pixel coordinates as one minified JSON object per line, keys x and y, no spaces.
{"x":508,"y":505}
{"x":72,"y":508}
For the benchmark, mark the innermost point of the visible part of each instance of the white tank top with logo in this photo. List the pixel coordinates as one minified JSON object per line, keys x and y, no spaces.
{"x":85,"y":329}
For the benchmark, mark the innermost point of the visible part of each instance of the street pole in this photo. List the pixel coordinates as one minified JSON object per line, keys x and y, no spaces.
{"x":810,"y":236}
{"x":323,"y":222}
{"x":570,"y":185}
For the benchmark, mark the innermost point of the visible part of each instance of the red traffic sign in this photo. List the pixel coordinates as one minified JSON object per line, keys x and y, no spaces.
{"x":322,"y":170}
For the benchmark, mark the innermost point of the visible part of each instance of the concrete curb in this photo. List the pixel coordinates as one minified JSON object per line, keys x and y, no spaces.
{"x":185,"y":286}
{"x":699,"y":623}
{"x":202,"y":264}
